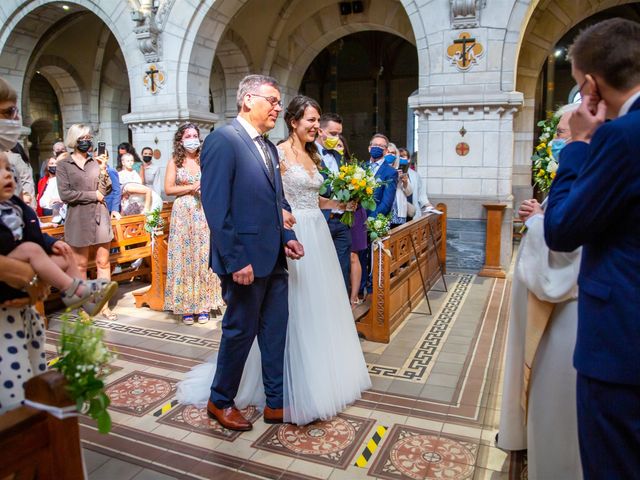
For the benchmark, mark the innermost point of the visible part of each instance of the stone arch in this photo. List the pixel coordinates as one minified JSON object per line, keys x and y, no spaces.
{"x":114,"y":103}
{"x":537,"y":28}
{"x":234,"y":61}
{"x":296,"y":51}
{"x":27,"y":20}
{"x":72,"y":94}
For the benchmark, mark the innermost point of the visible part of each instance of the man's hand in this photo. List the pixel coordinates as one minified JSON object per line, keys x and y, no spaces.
{"x":294,"y":250}
{"x":583,"y":123}
{"x":243,"y":276}
{"x":529,"y":208}
{"x":288,"y":219}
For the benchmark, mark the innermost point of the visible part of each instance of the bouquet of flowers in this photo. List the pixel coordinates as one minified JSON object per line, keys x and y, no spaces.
{"x":378,"y":227}
{"x":544,"y":165}
{"x":153,"y":222}
{"x":83,"y":358}
{"x":352,"y":182}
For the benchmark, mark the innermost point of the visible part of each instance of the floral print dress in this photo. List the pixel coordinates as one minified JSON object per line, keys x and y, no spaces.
{"x":191,"y":286}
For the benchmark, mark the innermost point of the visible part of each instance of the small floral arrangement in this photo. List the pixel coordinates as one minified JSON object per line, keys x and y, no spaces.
{"x":352,"y":182}
{"x":154,"y":222}
{"x":544,"y":165}
{"x":83,"y":360}
{"x":378,"y":227}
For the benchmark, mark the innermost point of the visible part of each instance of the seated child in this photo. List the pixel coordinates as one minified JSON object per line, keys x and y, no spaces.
{"x":51,"y":259}
{"x":133,"y":189}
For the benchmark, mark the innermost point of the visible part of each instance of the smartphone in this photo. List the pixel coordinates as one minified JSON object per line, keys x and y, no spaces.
{"x":102,"y":148}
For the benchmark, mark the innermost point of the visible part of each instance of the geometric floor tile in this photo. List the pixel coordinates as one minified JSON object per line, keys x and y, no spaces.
{"x":410,"y":452}
{"x":194,"y":419}
{"x":334,"y":442}
{"x":138,"y":392}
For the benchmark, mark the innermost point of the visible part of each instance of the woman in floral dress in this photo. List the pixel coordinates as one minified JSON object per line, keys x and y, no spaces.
{"x":191,"y":287}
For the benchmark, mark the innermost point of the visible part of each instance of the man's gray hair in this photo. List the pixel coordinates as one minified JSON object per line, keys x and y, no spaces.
{"x":571,"y":107}
{"x":251,"y":84}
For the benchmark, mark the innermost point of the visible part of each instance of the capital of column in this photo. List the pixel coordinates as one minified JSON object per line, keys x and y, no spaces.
{"x":170,"y":119}
{"x":466,"y":104}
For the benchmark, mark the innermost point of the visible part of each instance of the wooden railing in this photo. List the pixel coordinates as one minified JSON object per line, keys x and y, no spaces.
{"x":36,"y":444}
{"x":417,"y":263}
{"x":130,"y":242}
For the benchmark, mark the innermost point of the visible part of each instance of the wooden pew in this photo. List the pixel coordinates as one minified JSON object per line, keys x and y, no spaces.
{"x":398,"y":280}
{"x":36,"y":444}
{"x":130,"y":242}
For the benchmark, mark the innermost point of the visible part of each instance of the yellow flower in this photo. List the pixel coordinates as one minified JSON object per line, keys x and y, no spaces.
{"x":369,"y":190}
{"x":363,"y":183}
{"x":541,"y":173}
{"x":343,"y":168}
{"x":541,"y":146}
{"x":553,"y":175}
{"x":341,"y":176}
{"x":354,"y":182}
{"x":356,"y":187}
{"x":549,"y":150}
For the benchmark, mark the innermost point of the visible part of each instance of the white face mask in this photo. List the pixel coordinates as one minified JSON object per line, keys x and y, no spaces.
{"x":191,"y":144}
{"x":9,"y":134}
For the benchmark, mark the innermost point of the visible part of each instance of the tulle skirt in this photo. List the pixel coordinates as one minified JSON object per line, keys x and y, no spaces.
{"x":324,"y":369}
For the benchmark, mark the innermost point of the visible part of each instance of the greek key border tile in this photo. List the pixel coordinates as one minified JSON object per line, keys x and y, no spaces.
{"x":147,"y":332}
{"x":420,"y":361}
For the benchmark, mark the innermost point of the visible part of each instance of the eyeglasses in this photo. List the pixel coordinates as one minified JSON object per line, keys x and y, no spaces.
{"x":272,"y":100}
{"x":10,"y":113}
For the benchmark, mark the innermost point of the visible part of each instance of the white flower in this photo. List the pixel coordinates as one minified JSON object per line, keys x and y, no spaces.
{"x":552,"y":167}
{"x":377,"y":224}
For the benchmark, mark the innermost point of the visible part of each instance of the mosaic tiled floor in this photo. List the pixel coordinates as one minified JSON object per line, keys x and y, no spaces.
{"x":432,"y":412}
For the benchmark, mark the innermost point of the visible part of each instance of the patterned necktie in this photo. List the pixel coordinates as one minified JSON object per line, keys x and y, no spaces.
{"x":267,"y":156}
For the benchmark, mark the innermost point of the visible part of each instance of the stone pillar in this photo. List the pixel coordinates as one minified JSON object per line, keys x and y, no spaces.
{"x":468,"y":167}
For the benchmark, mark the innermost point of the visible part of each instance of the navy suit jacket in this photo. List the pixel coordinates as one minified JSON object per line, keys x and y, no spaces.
{"x":242,"y":205}
{"x":595,"y":202}
{"x":385,"y":194}
{"x":327,"y":211}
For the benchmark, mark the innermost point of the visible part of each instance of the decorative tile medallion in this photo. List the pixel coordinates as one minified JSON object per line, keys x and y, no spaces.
{"x":138,"y":392}
{"x":334,"y":442}
{"x":194,"y":419}
{"x":422,"y":454}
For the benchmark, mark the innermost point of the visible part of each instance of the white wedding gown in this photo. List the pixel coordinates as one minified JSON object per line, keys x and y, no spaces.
{"x":324,"y":368}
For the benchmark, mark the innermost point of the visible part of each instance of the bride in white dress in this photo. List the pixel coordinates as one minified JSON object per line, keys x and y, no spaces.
{"x":324,"y":369}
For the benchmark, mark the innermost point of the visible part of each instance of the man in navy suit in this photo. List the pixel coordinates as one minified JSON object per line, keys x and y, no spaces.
{"x":243,"y":201}
{"x":595,"y":202}
{"x":328,"y":137}
{"x":384,"y":195}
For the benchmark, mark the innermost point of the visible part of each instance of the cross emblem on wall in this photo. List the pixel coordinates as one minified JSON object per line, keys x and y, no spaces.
{"x":465,"y":52}
{"x":153,"y":79}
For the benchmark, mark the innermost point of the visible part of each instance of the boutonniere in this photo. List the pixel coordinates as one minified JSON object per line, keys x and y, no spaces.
{"x":265,"y":136}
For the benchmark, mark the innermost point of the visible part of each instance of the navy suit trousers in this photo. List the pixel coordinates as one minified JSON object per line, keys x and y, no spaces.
{"x":608,"y":428}
{"x":341,"y":235}
{"x":260,"y":309}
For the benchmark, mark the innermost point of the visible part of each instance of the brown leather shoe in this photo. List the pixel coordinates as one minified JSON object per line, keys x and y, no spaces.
{"x":229,"y":417}
{"x":273,"y":415}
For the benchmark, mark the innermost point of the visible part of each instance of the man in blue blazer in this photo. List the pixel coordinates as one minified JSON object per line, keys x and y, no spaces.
{"x":243,"y":200}
{"x":595,"y":202}
{"x":385,"y":194}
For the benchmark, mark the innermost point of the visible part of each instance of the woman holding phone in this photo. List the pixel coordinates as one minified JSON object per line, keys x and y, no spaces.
{"x":83,"y":182}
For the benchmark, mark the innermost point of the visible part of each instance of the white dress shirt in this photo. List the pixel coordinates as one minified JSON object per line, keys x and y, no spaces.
{"x":253,"y":134}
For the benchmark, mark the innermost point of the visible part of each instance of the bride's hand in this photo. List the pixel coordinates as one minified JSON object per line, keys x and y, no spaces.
{"x":294,"y":250}
{"x":351,"y":206}
{"x":288,"y":219}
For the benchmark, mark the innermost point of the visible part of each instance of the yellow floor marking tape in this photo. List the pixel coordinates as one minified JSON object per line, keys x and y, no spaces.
{"x":165,"y":408}
{"x":371,"y":447}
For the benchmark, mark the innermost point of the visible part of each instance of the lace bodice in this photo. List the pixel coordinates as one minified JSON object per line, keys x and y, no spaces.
{"x":300,"y":188}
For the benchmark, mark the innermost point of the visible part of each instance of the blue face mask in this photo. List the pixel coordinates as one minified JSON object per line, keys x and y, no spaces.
{"x":376,"y":152}
{"x":404,"y":161}
{"x":389,"y":158}
{"x":557,"y":144}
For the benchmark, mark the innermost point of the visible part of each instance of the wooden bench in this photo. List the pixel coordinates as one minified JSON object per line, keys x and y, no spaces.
{"x":417,"y":263}
{"x":130,"y":242}
{"x":36,"y":444}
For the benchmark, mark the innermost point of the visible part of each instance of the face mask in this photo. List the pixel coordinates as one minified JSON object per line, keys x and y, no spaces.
{"x":404,"y":161}
{"x":52,"y":170}
{"x":389,"y":158}
{"x":340,"y":151}
{"x":147,"y":158}
{"x":557,"y":144}
{"x":376,"y":152}
{"x":191,"y":144}
{"x":9,"y":134}
{"x":84,"y":145}
{"x":331,"y":142}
